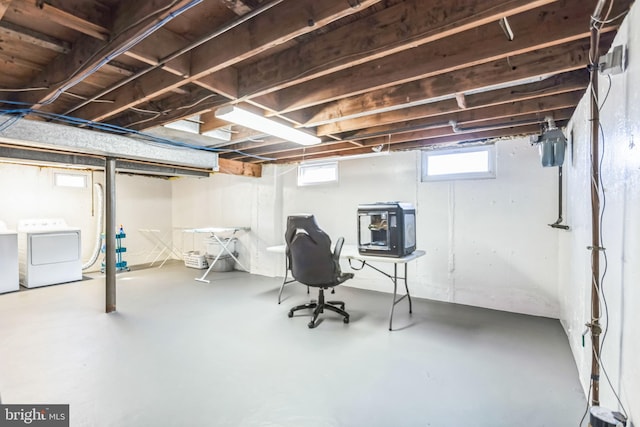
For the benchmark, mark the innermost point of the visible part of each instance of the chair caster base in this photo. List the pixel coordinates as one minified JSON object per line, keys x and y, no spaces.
{"x":319,"y":306}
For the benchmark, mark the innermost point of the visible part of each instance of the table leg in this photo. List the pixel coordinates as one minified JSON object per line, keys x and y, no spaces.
{"x":394,"y":279}
{"x":395,"y":291}
{"x":396,"y":300}
{"x":284,"y":281}
{"x":406,"y":287}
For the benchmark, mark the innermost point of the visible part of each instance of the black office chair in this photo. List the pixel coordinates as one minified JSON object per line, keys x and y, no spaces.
{"x":313,"y":264}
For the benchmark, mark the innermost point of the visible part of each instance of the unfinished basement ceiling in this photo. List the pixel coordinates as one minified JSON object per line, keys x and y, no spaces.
{"x":361,"y":74}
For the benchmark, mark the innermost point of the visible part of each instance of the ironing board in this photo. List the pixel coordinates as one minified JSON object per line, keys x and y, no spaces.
{"x":215,"y":233}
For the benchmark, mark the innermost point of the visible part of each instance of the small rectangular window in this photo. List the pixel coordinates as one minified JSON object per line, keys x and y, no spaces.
{"x":317,"y":173}
{"x":70,"y":180}
{"x":459,"y":163}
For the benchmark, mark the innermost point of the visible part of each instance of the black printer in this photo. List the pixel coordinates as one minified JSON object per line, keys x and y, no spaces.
{"x":387,"y":229}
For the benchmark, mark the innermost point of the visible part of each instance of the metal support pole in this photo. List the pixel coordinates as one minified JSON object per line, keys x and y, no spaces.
{"x":595,"y":219}
{"x":110,"y":234}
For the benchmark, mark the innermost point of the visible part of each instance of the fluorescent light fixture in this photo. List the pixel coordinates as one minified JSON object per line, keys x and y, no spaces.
{"x":245,"y":118}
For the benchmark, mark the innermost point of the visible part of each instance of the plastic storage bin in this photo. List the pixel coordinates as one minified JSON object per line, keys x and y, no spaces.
{"x":224,"y":263}
{"x":194,"y":259}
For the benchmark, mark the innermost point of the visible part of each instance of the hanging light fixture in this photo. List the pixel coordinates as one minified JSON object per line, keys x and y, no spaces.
{"x":237,"y":115}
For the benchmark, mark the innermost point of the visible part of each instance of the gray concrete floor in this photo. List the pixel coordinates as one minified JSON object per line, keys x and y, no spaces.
{"x":184,"y":353}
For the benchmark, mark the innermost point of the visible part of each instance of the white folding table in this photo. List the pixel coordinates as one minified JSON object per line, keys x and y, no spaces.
{"x":224,"y":242}
{"x":350,"y":252}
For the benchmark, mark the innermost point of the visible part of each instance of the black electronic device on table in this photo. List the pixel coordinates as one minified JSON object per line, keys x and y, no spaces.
{"x":386,"y":229}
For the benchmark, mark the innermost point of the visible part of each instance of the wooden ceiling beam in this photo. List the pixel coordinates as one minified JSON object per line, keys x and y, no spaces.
{"x":541,"y":103}
{"x":90,"y":52}
{"x":159,"y":45}
{"x":400,"y":27}
{"x":504,"y":114}
{"x":537,"y":117}
{"x":25,"y":63}
{"x":4,"y":5}
{"x":91,"y":19}
{"x":492,"y":124}
{"x":233,"y":167}
{"x":224,"y":82}
{"x":252,"y":144}
{"x":13,"y":32}
{"x":510,"y":132}
{"x":556,"y":59}
{"x":189,"y":106}
{"x":277,"y":25}
{"x":267,"y":150}
{"x":152,"y":85}
{"x":446,"y":138}
{"x":485,"y":125}
{"x":554,"y":24}
{"x":170,"y":109}
{"x":565,"y":82}
{"x":211,"y":122}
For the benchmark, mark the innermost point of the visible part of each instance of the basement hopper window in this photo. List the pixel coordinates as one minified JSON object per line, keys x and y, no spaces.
{"x":459,"y":163}
{"x":317,"y":173}
{"x":69,"y":180}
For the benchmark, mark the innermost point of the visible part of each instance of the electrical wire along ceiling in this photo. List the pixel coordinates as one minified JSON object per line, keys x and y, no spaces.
{"x":347,"y":76}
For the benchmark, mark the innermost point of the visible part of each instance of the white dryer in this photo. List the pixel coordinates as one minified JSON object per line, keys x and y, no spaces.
{"x":49,"y":252}
{"x":8,"y":260}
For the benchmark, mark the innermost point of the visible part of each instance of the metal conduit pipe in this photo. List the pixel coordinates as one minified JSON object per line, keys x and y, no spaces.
{"x":455,"y":126}
{"x":594,"y":325}
{"x":177,"y":53}
{"x":99,"y":227}
{"x":558,"y":223}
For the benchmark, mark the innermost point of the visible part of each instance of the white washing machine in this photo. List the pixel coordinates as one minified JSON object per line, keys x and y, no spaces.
{"x":49,"y":252}
{"x":8,"y":260}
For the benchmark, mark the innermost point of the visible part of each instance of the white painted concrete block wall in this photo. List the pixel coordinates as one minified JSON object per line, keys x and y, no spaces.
{"x":502,"y":253}
{"x":29,"y":192}
{"x":218,"y":201}
{"x":141,"y":203}
{"x":487,"y":241}
{"x":620,"y":119}
{"x":335,"y":206}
